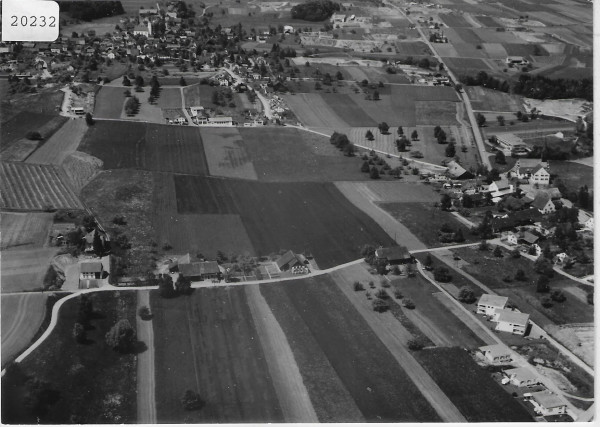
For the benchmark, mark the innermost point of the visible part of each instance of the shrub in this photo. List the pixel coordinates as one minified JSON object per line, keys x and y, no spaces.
{"x":558,"y":295}
{"x":121,"y":336}
{"x":398,"y":294}
{"x":380,"y":305}
{"x":33,"y":135}
{"x":542,"y":284}
{"x":442,"y":274}
{"x":191,"y":401}
{"x":358,"y":286}
{"x":498,"y":252}
{"x":520,"y":276}
{"x":371,"y":284}
{"x":415,"y":345}
{"x":546,"y":302}
{"x":466,"y":295}
{"x":144,"y":313}
{"x":408,"y":303}
{"x":385,"y":284}
{"x":382,"y":294}
{"x":515,"y":253}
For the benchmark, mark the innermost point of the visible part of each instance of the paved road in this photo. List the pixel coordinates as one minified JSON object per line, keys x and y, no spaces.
{"x":187,"y":115}
{"x":463,"y":94}
{"x":146,"y":384}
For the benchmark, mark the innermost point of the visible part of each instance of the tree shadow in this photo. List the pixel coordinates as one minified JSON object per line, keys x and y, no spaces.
{"x":139,"y":347}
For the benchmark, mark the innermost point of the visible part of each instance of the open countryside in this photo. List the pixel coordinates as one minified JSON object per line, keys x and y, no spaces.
{"x":315,"y":211}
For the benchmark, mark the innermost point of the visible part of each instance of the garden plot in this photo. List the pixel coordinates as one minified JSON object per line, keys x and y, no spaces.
{"x":226,"y":154}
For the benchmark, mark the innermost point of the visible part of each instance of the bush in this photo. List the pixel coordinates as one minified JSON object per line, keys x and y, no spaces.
{"x":498,"y":252}
{"x":398,"y":294}
{"x":144,"y":313}
{"x":546,"y":302}
{"x":520,"y":276}
{"x":415,"y":345}
{"x":372,"y":284}
{"x":191,"y":401}
{"x":558,"y":295}
{"x":33,"y":135}
{"x":442,"y":274}
{"x":466,"y":295}
{"x":121,"y":336}
{"x":79,"y":333}
{"x":542,"y":284}
{"x":358,"y":286}
{"x":382,"y":294}
{"x":380,"y":305}
{"x":408,"y":303}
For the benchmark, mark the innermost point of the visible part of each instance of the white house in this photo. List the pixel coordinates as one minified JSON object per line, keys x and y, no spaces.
{"x":589,"y":224}
{"x":547,"y":403}
{"x":511,"y":321}
{"x":510,"y":142}
{"x":500,"y":188}
{"x":215,"y":121}
{"x":522,"y":377}
{"x":512,"y":239}
{"x":543,"y":203}
{"x":288,"y":29}
{"x":539,"y":175}
{"x":90,"y":270}
{"x":488,"y":304}
{"x":497,"y":353}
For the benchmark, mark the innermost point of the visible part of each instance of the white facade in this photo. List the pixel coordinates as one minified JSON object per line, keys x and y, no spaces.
{"x":488,"y":304}
{"x":511,"y":321}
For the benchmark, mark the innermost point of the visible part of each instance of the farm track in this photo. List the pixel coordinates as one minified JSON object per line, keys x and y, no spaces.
{"x":146,"y":382}
{"x":287,"y":380}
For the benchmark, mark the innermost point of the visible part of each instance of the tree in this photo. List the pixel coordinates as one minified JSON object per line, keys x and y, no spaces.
{"x":383,"y":128}
{"x":483,"y":246}
{"x":480,"y":119}
{"x":98,"y":244}
{"x":357,"y":286}
{"x":520,"y":275}
{"x":398,"y":294}
{"x":542,"y":284}
{"x":89,"y":120}
{"x":441,"y":137}
{"x":408,"y":303}
{"x":515,"y":253}
{"x":414,"y":135}
{"x":401,"y":145}
{"x":182,"y":81}
{"x":546,"y":302}
{"x":144,"y":313}
{"x":458,"y":236}
{"x":442,"y":274}
{"x":374,"y":174}
{"x":558,"y":295}
{"x":339,"y":75}
{"x":376,"y":95}
{"x":33,"y":135}
{"x":126,"y":81}
{"x":165,"y":287}
{"x":466,"y":295}
{"x":500,"y":120}
{"x":415,"y":344}
{"x":183,"y":285}
{"x":498,"y":252}
{"x":365,"y":168}
{"x":450,"y":150}
{"x":369,"y":135}
{"x":121,"y":336}
{"x":500,"y":157}
{"x":445,"y":202}
{"x":191,"y":401}
{"x":400,"y":131}
{"x":428,"y":261}
{"x":349,"y":150}
{"x":79,"y":333}
{"x":544,"y":266}
{"x":380,"y":305}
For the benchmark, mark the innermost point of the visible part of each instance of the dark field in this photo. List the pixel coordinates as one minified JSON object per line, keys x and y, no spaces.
{"x":93,"y":384}
{"x":286,"y":155}
{"x":17,"y":127}
{"x":313,"y":217}
{"x":454,"y":20}
{"x":478,"y":397}
{"x":159,"y":148}
{"x":434,"y":315}
{"x":325,"y":322}
{"x":208,"y":343}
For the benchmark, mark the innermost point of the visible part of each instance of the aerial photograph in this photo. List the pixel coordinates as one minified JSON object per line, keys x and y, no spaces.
{"x":338,"y":211}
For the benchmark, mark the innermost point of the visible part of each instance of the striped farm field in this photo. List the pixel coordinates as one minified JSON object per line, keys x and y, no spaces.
{"x":24,"y":229}
{"x":35,"y":187}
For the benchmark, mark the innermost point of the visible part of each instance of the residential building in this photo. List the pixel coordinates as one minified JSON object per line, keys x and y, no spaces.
{"x":215,"y":121}
{"x":509,"y":142}
{"x":529,"y":238}
{"x":289,"y":260}
{"x":511,"y":321}
{"x":488,"y":304}
{"x":90,"y":270}
{"x":543,"y":203}
{"x":497,"y":353}
{"x":547,"y":403}
{"x":456,"y":171}
{"x":516,"y":60}
{"x":511,"y":239}
{"x":499,"y":189}
{"x":522,"y":377}
{"x":394,"y":255}
{"x":539,"y":175}
{"x":203,"y":270}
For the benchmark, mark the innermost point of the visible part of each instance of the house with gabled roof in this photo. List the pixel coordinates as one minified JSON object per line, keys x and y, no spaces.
{"x":394,"y":255}
{"x":543,"y":203}
{"x":289,"y":260}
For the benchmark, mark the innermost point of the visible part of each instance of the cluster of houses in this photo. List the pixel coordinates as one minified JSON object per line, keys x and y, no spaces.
{"x":494,"y":307}
{"x":543,"y":401}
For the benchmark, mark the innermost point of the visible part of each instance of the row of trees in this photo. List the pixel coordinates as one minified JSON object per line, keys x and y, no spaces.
{"x":315,"y":10}
{"x":342,"y":142}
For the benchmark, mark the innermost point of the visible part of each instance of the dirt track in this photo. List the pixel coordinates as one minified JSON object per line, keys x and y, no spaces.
{"x":287,"y":380}
{"x":146,"y":402}
{"x":22,"y":316}
{"x":394,"y":337}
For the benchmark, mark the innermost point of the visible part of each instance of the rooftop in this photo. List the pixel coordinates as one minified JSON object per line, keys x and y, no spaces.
{"x":514,"y":317}
{"x":496,"y":350}
{"x":199,"y":268}
{"x":393,"y":253}
{"x":521,"y":373}
{"x":548,"y":400}
{"x":493,"y":300}
{"x":91,"y":267}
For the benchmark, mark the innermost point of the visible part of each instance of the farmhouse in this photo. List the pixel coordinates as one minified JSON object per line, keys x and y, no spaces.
{"x":174,"y":265}
{"x":511,"y":321}
{"x":290,"y":260}
{"x":521,"y":377}
{"x":488,"y":304}
{"x":547,"y":403}
{"x":543,"y":203}
{"x":529,"y":238}
{"x":197,"y":271}
{"x":456,"y":171}
{"x":499,"y":189}
{"x":215,"y":121}
{"x":497,"y":353}
{"x":90,"y":270}
{"x":394,"y":255}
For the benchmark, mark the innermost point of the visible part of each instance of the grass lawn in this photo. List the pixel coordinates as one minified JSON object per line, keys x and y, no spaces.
{"x":292,"y":155}
{"x":574,"y":175}
{"x":208,"y":343}
{"x":431,"y":312}
{"x":381,"y":389}
{"x":439,"y":113}
{"x":91,"y":383}
{"x":109,"y":102}
{"x":425,"y":221}
{"x":169,"y":98}
{"x":471,"y":388}
{"x":17,"y":127}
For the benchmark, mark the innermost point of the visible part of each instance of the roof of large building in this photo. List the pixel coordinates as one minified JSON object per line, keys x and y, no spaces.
{"x":493,"y":300}
{"x":548,"y":400}
{"x":514,"y":317}
{"x":199,"y":268}
{"x":286,"y":258}
{"x":394,"y":253}
{"x":91,"y":267}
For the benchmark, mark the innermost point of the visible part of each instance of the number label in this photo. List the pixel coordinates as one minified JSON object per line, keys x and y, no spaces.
{"x":29,"y":20}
